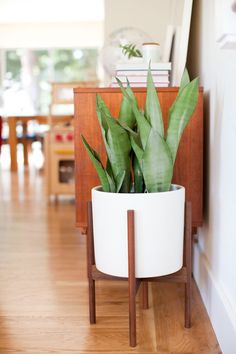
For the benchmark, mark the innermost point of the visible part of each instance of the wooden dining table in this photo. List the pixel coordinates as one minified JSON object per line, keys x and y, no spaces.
{"x":24,"y":120}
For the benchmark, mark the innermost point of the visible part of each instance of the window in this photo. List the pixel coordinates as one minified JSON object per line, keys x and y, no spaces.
{"x":28,"y":73}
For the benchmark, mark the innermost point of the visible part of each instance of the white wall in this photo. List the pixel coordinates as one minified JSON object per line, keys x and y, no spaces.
{"x":151,"y":16}
{"x":51,"y":35}
{"x":51,"y":23}
{"x":34,"y":11}
{"x":215,"y":254}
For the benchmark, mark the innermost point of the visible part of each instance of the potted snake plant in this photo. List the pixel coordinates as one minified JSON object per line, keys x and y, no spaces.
{"x":138,"y":175}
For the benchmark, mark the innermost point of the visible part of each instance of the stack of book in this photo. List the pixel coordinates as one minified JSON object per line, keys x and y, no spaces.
{"x":136,"y":73}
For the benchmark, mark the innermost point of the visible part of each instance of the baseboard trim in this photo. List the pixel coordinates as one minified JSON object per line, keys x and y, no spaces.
{"x":217,"y":305}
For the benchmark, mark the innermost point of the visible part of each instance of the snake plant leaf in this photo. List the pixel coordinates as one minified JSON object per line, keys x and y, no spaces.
{"x":126,"y":114}
{"x":119,"y":151}
{"x":138,"y":176}
{"x":119,"y":180}
{"x":101,"y":105}
{"x":102,"y":114}
{"x":111,"y":182}
{"x":148,"y":126}
{"x":104,"y":117}
{"x":137,"y":147}
{"x":143,"y":125}
{"x":180,"y":114}
{"x":184,"y":80}
{"x":110,"y":176}
{"x":152,"y":106}
{"x":98,"y":165}
{"x":109,"y":169}
{"x":114,"y":136}
{"x":135,"y":142}
{"x":157,"y":164}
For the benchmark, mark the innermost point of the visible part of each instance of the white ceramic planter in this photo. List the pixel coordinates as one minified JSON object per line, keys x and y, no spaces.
{"x":159,"y":230}
{"x":151,"y":51}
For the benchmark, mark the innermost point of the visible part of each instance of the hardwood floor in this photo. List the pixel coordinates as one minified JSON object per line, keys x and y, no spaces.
{"x":44,"y":295}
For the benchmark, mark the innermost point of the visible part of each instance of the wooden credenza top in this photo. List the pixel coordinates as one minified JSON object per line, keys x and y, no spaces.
{"x":113,"y":90}
{"x":188,"y":169}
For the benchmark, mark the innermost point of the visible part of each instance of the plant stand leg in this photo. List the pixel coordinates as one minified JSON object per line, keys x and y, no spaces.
{"x":145,"y":295}
{"x":188,"y":261}
{"x":92,"y":304}
{"x":90,"y":263}
{"x":131,"y":279}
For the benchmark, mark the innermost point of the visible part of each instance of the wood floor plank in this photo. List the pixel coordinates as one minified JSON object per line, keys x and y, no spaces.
{"x":44,"y":290}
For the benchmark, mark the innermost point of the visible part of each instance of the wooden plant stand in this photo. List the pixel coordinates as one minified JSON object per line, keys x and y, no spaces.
{"x":182,"y":276}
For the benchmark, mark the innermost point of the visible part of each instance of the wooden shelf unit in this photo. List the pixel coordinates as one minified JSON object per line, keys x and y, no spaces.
{"x":189,"y":162}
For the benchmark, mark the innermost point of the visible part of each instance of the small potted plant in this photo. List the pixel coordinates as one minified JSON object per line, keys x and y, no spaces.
{"x":137,"y":175}
{"x":131,"y":50}
{"x":150,"y":51}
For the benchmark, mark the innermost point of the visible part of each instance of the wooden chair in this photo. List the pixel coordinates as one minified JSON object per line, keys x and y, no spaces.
{"x":62,"y":97}
{"x":22,"y":137}
{"x":58,"y":149}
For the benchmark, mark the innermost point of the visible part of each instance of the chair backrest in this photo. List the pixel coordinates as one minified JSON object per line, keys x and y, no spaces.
{"x":62,"y":97}
{"x":62,"y":92}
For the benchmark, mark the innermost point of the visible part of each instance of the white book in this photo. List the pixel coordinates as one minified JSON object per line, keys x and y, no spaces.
{"x":143,"y":66}
{"x":141,"y":72}
{"x":156,"y":78}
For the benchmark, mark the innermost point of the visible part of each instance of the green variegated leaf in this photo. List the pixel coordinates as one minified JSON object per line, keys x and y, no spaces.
{"x":130,"y":92}
{"x":135,"y":142}
{"x":157,"y":164}
{"x":126,"y":127}
{"x":119,"y":151}
{"x":109,"y":169}
{"x":152,"y":106}
{"x":119,"y":180}
{"x":101,"y":105}
{"x":102,"y":114}
{"x":126,"y":114}
{"x":143,"y":124}
{"x":185,"y":79}
{"x":117,"y":144}
{"x":111,"y":182}
{"x":137,"y":147}
{"x":138,"y":176}
{"x":98,"y":166}
{"x":180,"y":114}
{"x":152,"y":156}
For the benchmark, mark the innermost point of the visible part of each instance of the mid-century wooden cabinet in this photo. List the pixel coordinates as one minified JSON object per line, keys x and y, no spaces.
{"x":189,"y":163}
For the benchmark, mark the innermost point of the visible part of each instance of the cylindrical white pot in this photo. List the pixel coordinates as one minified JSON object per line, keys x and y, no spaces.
{"x":159,"y":230}
{"x":151,"y":51}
